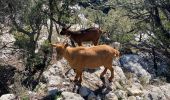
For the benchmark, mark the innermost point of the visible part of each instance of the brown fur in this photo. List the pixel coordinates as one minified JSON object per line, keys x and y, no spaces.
{"x":89,"y":57}
{"x":90,"y":34}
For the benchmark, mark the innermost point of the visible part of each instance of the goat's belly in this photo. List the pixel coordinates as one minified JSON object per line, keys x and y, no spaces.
{"x":93,"y":64}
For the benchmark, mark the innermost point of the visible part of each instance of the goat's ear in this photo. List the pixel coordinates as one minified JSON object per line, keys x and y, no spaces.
{"x":66,"y":45}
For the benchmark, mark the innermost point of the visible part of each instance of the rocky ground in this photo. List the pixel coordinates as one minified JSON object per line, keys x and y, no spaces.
{"x":135,"y":79}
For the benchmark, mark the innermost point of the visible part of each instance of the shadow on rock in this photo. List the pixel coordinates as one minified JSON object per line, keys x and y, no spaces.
{"x":6,"y":78}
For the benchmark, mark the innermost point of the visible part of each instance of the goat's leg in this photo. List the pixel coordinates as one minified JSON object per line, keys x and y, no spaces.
{"x":102,"y":74}
{"x":112,"y":73}
{"x":80,"y":80}
{"x":78,"y":76}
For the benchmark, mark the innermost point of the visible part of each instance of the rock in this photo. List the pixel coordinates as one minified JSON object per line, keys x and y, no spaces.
{"x":51,"y":76}
{"x":119,"y":74}
{"x":92,"y":96}
{"x":116,"y":45}
{"x":134,"y":91}
{"x":166,"y":90}
{"x":52,"y":90}
{"x":40,"y":88}
{"x":157,"y":93}
{"x":7,"y":39}
{"x":121,"y":94}
{"x":139,"y":98}
{"x":54,"y":80}
{"x":131,"y":63}
{"x":154,"y":93}
{"x":8,"y":97}
{"x":58,"y":66}
{"x":131,"y":98}
{"x":111,"y":96}
{"x":118,"y":86}
{"x":84,"y":91}
{"x":70,"y":96}
{"x":32,"y":95}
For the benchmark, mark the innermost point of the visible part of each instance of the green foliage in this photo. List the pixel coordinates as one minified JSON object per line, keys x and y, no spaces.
{"x":46,"y":47}
{"x":22,"y":40}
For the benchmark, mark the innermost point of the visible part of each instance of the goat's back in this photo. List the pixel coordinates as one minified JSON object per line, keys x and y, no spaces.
{"x":94,"y":56}
{"x":86,"y":35}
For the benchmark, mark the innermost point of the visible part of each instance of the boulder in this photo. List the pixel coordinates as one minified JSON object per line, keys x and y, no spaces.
{"x":131,"y":98}
{"x":154,"y":93}
{"x":116,"y":45}
{"x":92,"y":96}
{"x":71,"y":96}
{"x":131,"y":63}
{"x":111,"y":96}
{"x":134,"y":91}
{"x":84,"y":91}
{"x":8,"y":97}
{"x":121,"y":94}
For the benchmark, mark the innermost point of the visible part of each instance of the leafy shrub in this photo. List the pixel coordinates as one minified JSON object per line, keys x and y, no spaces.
{"x":45,"y":47}
{"x":22,"y":40}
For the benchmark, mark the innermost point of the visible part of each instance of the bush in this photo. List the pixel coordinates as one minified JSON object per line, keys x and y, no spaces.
{"x":45,"y":47}
{"x":22,"y":40}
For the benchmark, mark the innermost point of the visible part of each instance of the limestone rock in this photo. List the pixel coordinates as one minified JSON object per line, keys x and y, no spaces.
{"x":8,"y":97}
{"x":111,"y":96}
{"x":131,"y":98}
{"x":154,"y":93}
{"x":134,"y":91}
{"x":84,"y":91}
{"x":131,"y":63}
{"x":71,"y":96}
{"x":121,"y":94}
{"x":92,"y":96}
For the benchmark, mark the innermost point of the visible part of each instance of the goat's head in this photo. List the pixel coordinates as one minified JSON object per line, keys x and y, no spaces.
{"x":60,"y":49}
{"x":65,"y":30}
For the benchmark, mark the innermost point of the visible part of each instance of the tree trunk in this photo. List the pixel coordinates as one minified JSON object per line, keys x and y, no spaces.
{"x":51,"y":21}
{"x":154,"y":61}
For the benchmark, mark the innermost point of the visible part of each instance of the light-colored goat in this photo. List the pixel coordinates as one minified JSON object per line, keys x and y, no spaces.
{"x":87,"y":57}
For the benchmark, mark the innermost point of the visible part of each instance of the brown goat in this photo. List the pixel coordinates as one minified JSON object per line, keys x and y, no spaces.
{"x":87,"y":57}
{"x":90,"y":34}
